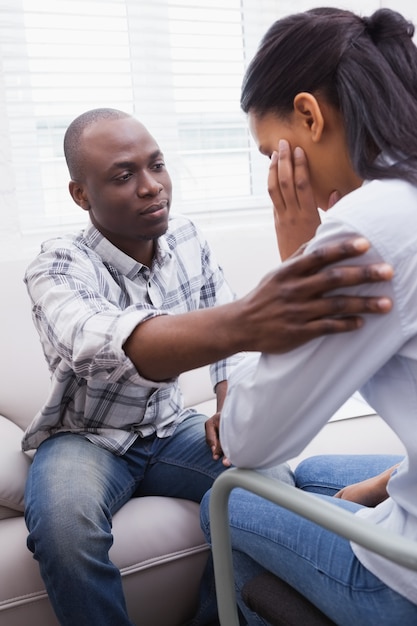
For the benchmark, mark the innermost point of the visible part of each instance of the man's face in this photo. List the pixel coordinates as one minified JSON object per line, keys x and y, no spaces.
{"x":125,"y":184}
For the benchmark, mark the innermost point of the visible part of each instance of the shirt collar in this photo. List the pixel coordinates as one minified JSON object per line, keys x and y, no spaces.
{"x":111,"y":255}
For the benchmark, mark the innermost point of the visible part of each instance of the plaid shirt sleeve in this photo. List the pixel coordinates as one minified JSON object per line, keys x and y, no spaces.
{"x":78,"y":318}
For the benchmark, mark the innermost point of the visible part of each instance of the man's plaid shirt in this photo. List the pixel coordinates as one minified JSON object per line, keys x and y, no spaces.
{"x":87,"y":298}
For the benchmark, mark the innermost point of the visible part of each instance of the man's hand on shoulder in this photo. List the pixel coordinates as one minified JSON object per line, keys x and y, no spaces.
{"x":292,"y":305}
{"x":288,"y":308}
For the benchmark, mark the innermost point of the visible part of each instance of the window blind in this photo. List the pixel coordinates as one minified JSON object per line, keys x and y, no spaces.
{"x":177,"y":65}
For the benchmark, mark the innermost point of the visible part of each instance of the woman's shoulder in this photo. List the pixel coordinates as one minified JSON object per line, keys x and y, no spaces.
{"x":378,"y":197}
{"x":381,"y":210}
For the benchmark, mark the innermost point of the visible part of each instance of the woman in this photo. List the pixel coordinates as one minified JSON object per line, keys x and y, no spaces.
{"x":337,"y":92}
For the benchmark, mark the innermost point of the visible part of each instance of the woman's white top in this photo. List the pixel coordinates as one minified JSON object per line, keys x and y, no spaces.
{"x":277,"y":403}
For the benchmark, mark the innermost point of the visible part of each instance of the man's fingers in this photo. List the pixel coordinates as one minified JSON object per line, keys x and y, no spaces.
{"x":311,"y":287}
{"x":333,"y":306}
{"x":212,"y":436}
{"x":335,"y":314}
{"x":336,"y":306}
{"x":333,"y":253}
{"x":346,"y":276}
{"x":320,"y":258}
{"x":211,"y":433}
{"x":329,"y":326}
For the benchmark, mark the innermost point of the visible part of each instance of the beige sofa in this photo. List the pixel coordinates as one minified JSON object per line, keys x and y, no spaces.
{"x":158,"y":544}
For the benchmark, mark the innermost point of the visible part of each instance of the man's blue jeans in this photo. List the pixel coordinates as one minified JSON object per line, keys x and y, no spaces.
{"x":73,"y":490}
{"x":320,"y":564}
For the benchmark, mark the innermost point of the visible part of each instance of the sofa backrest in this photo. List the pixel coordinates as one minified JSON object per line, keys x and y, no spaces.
{"x":24,"y":377}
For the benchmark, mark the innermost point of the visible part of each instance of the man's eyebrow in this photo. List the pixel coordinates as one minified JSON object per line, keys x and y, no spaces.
{"x":154,"y":155}
{"x":129,"y":164}
{"x":121,"y":165}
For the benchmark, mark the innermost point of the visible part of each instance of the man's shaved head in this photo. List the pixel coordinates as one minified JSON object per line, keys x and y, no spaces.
{"x":72,"y":139}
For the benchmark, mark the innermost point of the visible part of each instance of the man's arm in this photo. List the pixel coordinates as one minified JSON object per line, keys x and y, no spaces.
{"x":286,"y":310}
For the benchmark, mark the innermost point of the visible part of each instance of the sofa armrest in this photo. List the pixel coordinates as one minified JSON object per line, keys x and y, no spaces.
{"x":14,"y":467}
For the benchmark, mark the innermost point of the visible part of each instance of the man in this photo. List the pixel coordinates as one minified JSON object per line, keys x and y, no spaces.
{"x":122,"y":309}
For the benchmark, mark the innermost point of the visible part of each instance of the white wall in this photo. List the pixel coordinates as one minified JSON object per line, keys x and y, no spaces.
{"x":245,"y":246}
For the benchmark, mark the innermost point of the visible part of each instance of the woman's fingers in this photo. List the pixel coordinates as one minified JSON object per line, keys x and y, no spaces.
{"x":295,"y":212}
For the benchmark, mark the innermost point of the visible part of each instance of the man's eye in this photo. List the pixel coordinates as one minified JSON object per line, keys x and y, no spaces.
{"x":159,"y":166}
{"x":124,"y":177}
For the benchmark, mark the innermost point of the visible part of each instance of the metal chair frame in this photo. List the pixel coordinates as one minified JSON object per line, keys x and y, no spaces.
{"x":342,"y":522}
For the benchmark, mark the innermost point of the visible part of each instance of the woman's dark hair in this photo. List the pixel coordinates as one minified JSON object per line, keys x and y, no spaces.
{"x":365,"y":67}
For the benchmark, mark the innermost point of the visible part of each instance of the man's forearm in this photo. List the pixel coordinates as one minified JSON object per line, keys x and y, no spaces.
{"x":284,"y":311}
{"x":167,"y":345}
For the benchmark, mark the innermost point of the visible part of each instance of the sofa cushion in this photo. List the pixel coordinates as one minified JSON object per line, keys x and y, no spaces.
{"x":14,"y":466}
{"x":158,"y":546}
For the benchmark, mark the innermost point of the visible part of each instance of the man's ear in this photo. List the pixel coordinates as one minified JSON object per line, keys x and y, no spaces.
{"x":79,"y":195}
{"x":308,"y":113}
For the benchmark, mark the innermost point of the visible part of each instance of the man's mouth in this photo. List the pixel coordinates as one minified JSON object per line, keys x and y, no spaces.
{"x":155,"y":208}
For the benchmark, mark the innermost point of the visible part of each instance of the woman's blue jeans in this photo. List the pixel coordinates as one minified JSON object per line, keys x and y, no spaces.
{"x":73,"y":490}
{"x":316,"y":562}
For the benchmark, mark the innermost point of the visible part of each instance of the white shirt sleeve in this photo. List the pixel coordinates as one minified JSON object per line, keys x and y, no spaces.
{"x":277,"y":403}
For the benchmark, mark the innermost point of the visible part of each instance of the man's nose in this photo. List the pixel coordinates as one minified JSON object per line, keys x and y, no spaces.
{"x":148,"y":185}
